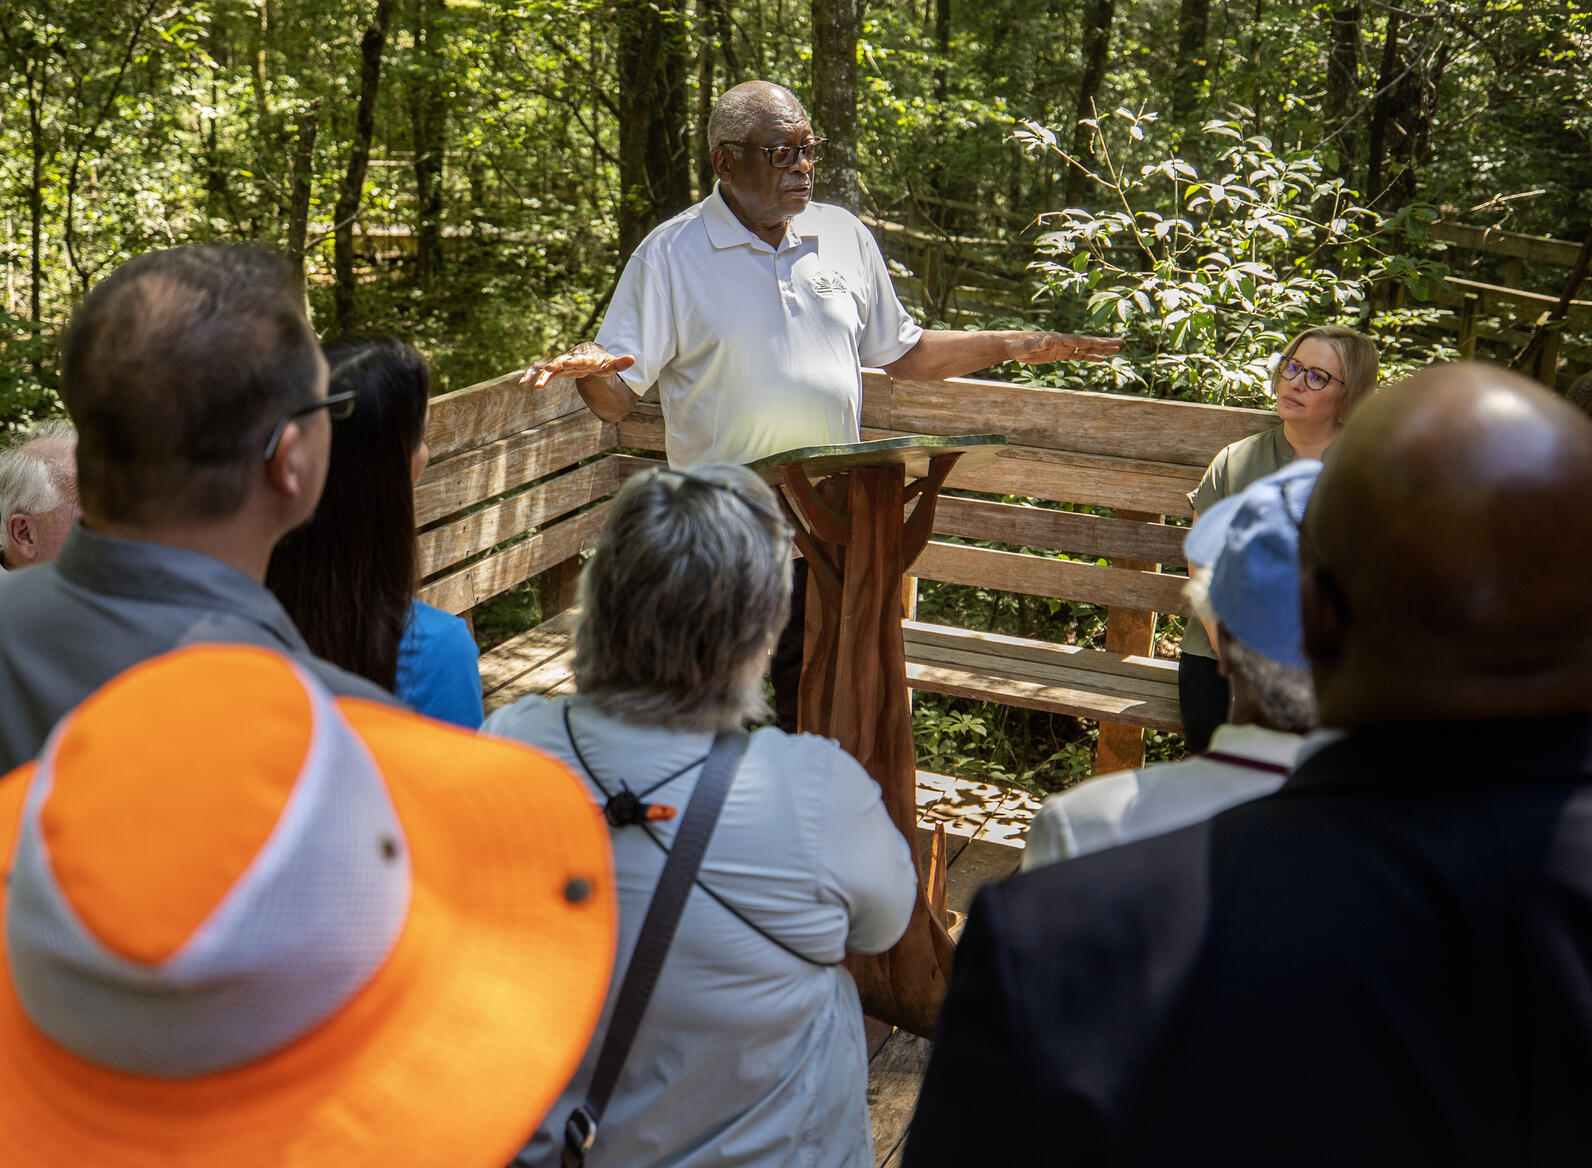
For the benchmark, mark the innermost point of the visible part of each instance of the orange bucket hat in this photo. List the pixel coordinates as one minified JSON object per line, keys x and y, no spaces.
{"x":246,"y":923}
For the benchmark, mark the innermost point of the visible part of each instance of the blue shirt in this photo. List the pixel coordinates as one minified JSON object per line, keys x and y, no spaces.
{"x":439,"y":670}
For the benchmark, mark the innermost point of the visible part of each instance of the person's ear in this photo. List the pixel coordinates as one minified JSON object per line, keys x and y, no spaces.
{"x":288,"y":470}
{"x":1220,"y":639}
{"x":22,"y":536}
{"x":721,"y":162}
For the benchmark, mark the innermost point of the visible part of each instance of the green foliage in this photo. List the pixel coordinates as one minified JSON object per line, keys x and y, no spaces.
{"x":26,"y":378}
{"x":128,"y":125}
{"x":1207,"y":275}
{"x":990,"y":743}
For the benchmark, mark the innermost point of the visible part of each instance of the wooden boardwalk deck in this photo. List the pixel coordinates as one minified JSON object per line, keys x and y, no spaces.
{"x":984,"y":826}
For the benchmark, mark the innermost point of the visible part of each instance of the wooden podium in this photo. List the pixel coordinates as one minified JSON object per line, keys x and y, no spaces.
{"x":853,"y":529}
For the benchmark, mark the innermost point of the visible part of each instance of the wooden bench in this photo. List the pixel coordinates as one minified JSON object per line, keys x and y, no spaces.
{"x":1137,"y":457}
{"x":520,"y":485}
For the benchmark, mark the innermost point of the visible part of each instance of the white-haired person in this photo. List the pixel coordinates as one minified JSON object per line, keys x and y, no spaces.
{"x":38,"y":493}
{"x":1250,"y":596}
{"x":1321,"y":377}
{"x":750,"y":1051}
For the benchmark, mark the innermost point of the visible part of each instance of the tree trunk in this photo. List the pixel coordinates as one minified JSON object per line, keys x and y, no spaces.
{"x":1343,"y":83}
{"x":1416,"y":114}
{"x":217,"y":196}
{"x":834,"y":105}
{"x":654,"y":159}
{"x":370,"y":49}
{"x":300,"y":187}
{"x":1382,"y":109}
{"x":1401,"y":133}
{"x":705,"y":10}
{"x":35,"y":200}
{"x":428,"y":110}
{"x":1096,"y":49}
{"x":942,"y":45}
{"x":1193,"y":27}
{"x":942,"y":219}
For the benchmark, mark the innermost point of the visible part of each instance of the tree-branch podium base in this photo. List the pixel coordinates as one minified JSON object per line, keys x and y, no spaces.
{"x":859,"y":542}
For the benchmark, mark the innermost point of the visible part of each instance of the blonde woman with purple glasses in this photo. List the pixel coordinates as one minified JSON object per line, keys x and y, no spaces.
{"x":1321,"y":377}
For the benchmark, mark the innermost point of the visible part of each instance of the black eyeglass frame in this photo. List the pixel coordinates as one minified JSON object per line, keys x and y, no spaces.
{"x":338,"y":406}
{"x":1300,"y":367}
{"x":812,"y":150}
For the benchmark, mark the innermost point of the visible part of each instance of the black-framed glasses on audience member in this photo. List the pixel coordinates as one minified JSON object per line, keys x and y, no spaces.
{"x":337,"y":406}
{"x":1316,"y":379}
{"x":784,"y":157}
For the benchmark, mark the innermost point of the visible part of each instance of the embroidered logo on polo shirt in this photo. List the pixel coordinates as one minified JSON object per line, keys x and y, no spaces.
{"x":830,"y":283}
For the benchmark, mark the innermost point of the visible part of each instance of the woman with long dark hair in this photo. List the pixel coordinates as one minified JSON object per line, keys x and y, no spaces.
{"x":347,"y":577}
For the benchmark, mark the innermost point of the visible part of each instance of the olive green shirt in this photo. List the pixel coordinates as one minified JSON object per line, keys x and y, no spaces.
{"x":1234,"y":468}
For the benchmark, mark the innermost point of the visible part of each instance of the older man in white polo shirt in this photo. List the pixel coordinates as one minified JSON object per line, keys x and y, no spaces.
{"x":755,"y":310}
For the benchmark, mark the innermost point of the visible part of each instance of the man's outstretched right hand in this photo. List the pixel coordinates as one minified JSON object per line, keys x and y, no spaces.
{"x":587,"y":359}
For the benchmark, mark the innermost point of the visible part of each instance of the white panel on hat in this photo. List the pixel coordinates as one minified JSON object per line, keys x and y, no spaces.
{"x":303,"y":929}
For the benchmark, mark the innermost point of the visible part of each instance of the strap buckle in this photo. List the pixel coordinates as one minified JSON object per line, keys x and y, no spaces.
{"x":580,"y":1132}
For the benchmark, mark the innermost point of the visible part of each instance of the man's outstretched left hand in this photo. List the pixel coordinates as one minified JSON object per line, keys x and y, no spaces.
{"x":1040,"y":348}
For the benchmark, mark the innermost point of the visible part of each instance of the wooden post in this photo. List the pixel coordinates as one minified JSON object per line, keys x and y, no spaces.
{"x":1546,"y":369}
{"x":1469,"y":311}
{"x":556,"y":587}
{"x":1128,"y":630}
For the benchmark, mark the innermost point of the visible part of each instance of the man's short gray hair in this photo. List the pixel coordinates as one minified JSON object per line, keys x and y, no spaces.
{"x":37,"y":473}
{"x":1285,"y":694}
{"x":683,"y":599}
{"x":736,"y":115}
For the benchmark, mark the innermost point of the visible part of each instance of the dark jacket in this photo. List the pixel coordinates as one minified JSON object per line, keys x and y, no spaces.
{"x":1389,"y":961}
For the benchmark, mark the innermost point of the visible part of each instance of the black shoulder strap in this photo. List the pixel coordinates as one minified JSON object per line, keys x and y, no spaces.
{"x":657,"y":934}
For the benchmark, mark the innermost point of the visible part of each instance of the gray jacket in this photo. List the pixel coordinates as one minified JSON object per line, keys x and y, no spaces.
{"x":104,"y":604}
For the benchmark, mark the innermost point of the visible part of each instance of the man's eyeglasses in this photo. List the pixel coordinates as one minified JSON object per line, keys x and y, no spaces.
{"x":784,"y":157}
{"x":1316,"y":379}
{"x":337,"y":406}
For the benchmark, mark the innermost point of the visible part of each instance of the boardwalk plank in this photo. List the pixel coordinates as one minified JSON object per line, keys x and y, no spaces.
{"x":894,"y":1077}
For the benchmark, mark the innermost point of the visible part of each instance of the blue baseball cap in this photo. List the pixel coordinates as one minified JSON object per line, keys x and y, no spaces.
{"x":1250,"y":542}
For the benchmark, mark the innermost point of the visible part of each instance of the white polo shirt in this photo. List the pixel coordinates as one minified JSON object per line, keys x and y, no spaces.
{"x":755,"y":349}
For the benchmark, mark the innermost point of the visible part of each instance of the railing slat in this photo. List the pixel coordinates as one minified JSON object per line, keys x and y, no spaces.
{"x":1043,"y":576}
{"x":484,"y":529}
{"x":476,"y":475}
{"x":1183,"y":433}
{"x":483,"y":413}
{"x":1063,"y":531}
{"x":469,"y":586}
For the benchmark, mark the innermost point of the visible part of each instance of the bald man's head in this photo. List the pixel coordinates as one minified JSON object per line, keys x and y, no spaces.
{"x":743,"y":108}
{"x":1446,"y":553}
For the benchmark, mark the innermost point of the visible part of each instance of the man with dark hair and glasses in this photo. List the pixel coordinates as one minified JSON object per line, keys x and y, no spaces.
{"x":199,"y":394}
{"x":755,"y":310}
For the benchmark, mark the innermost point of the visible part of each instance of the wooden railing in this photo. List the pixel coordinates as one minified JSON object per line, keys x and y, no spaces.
{"x":521,"y":481}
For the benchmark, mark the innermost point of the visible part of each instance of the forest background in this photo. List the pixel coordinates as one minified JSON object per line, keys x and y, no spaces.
{"x":1201,"y":177}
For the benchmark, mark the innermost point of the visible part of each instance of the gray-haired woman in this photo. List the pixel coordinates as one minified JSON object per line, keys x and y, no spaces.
{"x":751,"y":1050}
